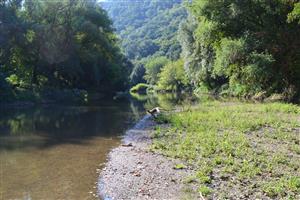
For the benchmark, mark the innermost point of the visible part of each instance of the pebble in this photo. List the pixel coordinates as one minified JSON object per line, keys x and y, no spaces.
{"x":142,"y":174}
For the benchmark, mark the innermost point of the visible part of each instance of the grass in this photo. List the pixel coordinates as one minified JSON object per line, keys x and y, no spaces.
{"x":253,"y":148}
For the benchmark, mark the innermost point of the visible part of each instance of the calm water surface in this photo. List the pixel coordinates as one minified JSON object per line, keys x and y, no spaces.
{"x":53,"y":152}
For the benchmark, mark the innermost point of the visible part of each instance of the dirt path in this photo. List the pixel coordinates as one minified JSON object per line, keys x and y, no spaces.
{"x":133,"y":172}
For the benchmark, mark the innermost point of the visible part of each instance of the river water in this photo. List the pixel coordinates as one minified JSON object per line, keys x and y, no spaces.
{"x":56,"y":152}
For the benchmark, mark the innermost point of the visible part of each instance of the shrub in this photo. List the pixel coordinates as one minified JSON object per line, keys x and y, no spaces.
{"x":139,"y":88}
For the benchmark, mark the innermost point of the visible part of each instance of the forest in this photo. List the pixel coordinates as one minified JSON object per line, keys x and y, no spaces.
{"x":247,"y":49}
{"x":150,"y":99}
{"x":58,"y":49}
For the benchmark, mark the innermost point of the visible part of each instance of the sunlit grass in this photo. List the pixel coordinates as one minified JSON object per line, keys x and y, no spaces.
{"x":240,"y":143}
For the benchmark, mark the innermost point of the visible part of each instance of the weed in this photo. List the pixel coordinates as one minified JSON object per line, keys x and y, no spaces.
{"x":180,"y":166}
{"x":204,"y":190}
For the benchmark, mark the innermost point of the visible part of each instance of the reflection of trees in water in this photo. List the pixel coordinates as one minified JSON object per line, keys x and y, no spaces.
{"x":64,"y":120}
{"x":137,"y":110}
{"x":28,"y":121}
{"x":47,"y":126}
{"x":54,"y":125}
{"x":86,"y":120}
{"x":164,"y":100}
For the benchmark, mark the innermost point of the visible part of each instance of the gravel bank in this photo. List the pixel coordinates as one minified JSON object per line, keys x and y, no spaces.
{"x":134,"y":172}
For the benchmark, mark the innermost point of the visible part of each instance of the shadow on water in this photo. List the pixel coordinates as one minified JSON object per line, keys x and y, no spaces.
{"x":166,"y":101}
{"x":57,"y":124}
{"x":44,"y":127}
{"x":52,"y":152}
{"x":47,"y":126}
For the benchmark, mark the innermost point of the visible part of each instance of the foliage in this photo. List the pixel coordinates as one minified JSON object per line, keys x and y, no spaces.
{"x":139,"y":88}
{"x":65,"y":44}
{"x":153,"y":68}
{"x":295,"y":14}
{"x":147,"y":27}
{"x":249,"y":46}
{"x":230,"y":143}
{"x":229,"y":62}
{"x":172,"y":77}
{"x":138,"y":73}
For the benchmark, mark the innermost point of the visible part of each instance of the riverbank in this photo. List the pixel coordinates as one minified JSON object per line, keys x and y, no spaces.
{"x":218,"y":150}
{"x":238,"y":150}
{"x":135,"y":172}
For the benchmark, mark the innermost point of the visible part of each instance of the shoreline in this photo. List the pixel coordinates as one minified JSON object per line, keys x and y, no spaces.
{"x":135,"y":172}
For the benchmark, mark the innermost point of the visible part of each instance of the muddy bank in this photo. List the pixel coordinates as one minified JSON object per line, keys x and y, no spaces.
{"x":134,"y":172}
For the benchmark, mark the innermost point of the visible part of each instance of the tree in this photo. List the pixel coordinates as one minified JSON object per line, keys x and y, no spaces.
{"x":247,"y":45}
{"x":137,"y":74}
{"x":153,"y":68}
{"x":146,"y":27}
{"x":172,"y":77}
{"x":295,"y":14}
{"x":65,"y":44}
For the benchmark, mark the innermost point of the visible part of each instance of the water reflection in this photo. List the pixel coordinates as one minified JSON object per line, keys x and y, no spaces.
{"x":52,"y":152}
{"x":167,"y":101}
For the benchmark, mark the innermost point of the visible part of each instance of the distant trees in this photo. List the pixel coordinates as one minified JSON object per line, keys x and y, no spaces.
{"x":138,"y":73}
{"x":162,"y":73}
{"x":147,"y":27}
{"x":239,"y":48}
{"x":60,"y":44}
{"x":148,"y":30}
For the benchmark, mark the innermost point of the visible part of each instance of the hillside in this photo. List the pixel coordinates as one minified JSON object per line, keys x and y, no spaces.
{"x":147,"y":27}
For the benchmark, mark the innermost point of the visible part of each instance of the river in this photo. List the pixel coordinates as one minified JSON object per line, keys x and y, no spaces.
{"x":56,"y":152}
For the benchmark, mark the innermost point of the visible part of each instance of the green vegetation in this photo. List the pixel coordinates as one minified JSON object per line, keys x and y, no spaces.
{"x":172,"y":77}
{"x":148,"y":30}
{"x":232,"y":48}
{"x":243,"y":47}
{"x":59,"y":50}
{"x":295,"y":14}
{"x":147,"y":27}
{"x":59,"y":45}
{"x":252,"y":149}
{"x":139,"y":88}
{"x":153,"y":68}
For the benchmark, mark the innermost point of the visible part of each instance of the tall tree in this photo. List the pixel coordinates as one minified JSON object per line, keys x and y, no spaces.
{"x":247,"y":44}
{"x":60,"y":44}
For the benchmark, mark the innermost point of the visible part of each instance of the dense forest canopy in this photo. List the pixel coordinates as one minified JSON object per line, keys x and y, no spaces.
{"x":244,"y":47}
{"x":147,"y":29}
{"x":240,"y":48}
{"x":59,"y":44}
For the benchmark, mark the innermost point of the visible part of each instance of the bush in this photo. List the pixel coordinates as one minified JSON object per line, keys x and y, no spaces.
{"x":139,"y":88}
